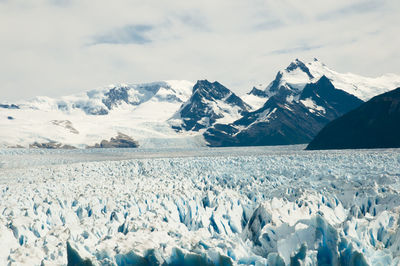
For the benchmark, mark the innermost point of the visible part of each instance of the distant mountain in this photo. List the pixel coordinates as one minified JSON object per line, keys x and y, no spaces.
{"x":9,"y":106}
{"x":140,"y":111}
{"x":295,"y":106}
{"x":289,"y":116}
{"x":292,"y":109}
{"x":210,"y":103}
{"x":375,"y":124}
{"x":103,"y":101}
{"x":298,"y":74}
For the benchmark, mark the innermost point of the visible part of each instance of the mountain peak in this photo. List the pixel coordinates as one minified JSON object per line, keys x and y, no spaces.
{"x":324,"y":79}
{"x":205,"y":83}
{"x":202,"y":82}
{"x":210,"y":103}
{"x":297,"y":64}
{"x":257,"y":92}
{"x":316,"y":63}
{"x":210,"y":90}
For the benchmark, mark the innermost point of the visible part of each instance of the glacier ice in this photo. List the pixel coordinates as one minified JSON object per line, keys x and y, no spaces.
{"x":258,"y":206}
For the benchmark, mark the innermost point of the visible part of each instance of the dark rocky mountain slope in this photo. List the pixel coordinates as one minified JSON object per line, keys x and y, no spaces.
{"x":209,"y":102}
{"x":288,"y":117}
{"x":375,"y":124}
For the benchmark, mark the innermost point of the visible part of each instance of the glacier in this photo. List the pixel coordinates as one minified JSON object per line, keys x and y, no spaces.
{"x":204,"y":206}
{"x":140,"y":111}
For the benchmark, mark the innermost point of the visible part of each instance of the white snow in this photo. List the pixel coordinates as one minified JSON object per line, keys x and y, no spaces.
{"x":363,"y":88}
{"x":227,"y":112}
{"x":312,"y":106}
{"x":143,"y":121}
{"x":254,"y":101}
{"x":249,"y":204}
{"x":297,"y":78}
{"x":265,"y":115}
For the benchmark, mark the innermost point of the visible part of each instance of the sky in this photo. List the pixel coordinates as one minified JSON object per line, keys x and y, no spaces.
{"x":61,"y":47}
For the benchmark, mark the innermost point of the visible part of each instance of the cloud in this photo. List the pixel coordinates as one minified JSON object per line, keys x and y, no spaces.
{"x":296,"y":49}
{"x":351,"y":9}
{"x":194,"y":20}
{"x":60,"y":3}
{"x":125,"y":35}
{"x":269,"y":25}
{"x":59,"y":47}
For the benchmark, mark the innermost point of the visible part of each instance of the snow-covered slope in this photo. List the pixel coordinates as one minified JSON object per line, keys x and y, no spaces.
{"x":268,"y":208}
{"x":158,"y":114}
{"x":256,"y":98}
{"x":298,"y":74}
{"x":139,"y":111}
{"x":363,"y":88}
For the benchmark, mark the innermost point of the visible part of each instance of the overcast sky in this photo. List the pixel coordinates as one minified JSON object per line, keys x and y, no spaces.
{"x":59,"y":47}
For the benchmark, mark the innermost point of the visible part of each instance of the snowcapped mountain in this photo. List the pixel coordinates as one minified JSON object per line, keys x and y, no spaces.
{"x":302,"y":99}
{"x":285,"y":120}
{"x":139,"y":111}
{"x":103,"y":101}
{"x":298,"y":74}
{"x":210,"y":103}
{"x":296,"y":105}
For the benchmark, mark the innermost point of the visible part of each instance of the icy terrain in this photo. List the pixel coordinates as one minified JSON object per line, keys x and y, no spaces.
{"x":140,"y":111}
{"x":274,"y":206}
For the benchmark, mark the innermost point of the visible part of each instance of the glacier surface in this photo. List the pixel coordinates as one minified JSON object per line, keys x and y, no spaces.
{"x":257,"y":206}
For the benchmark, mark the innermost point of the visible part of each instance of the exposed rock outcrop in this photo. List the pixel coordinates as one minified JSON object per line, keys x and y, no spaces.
{"x":120,"y":141}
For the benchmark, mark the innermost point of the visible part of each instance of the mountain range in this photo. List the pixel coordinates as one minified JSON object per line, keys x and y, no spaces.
{"x":292,"y":109}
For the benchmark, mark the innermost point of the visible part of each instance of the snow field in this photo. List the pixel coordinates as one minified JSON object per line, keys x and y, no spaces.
{"x":282,"y":207}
